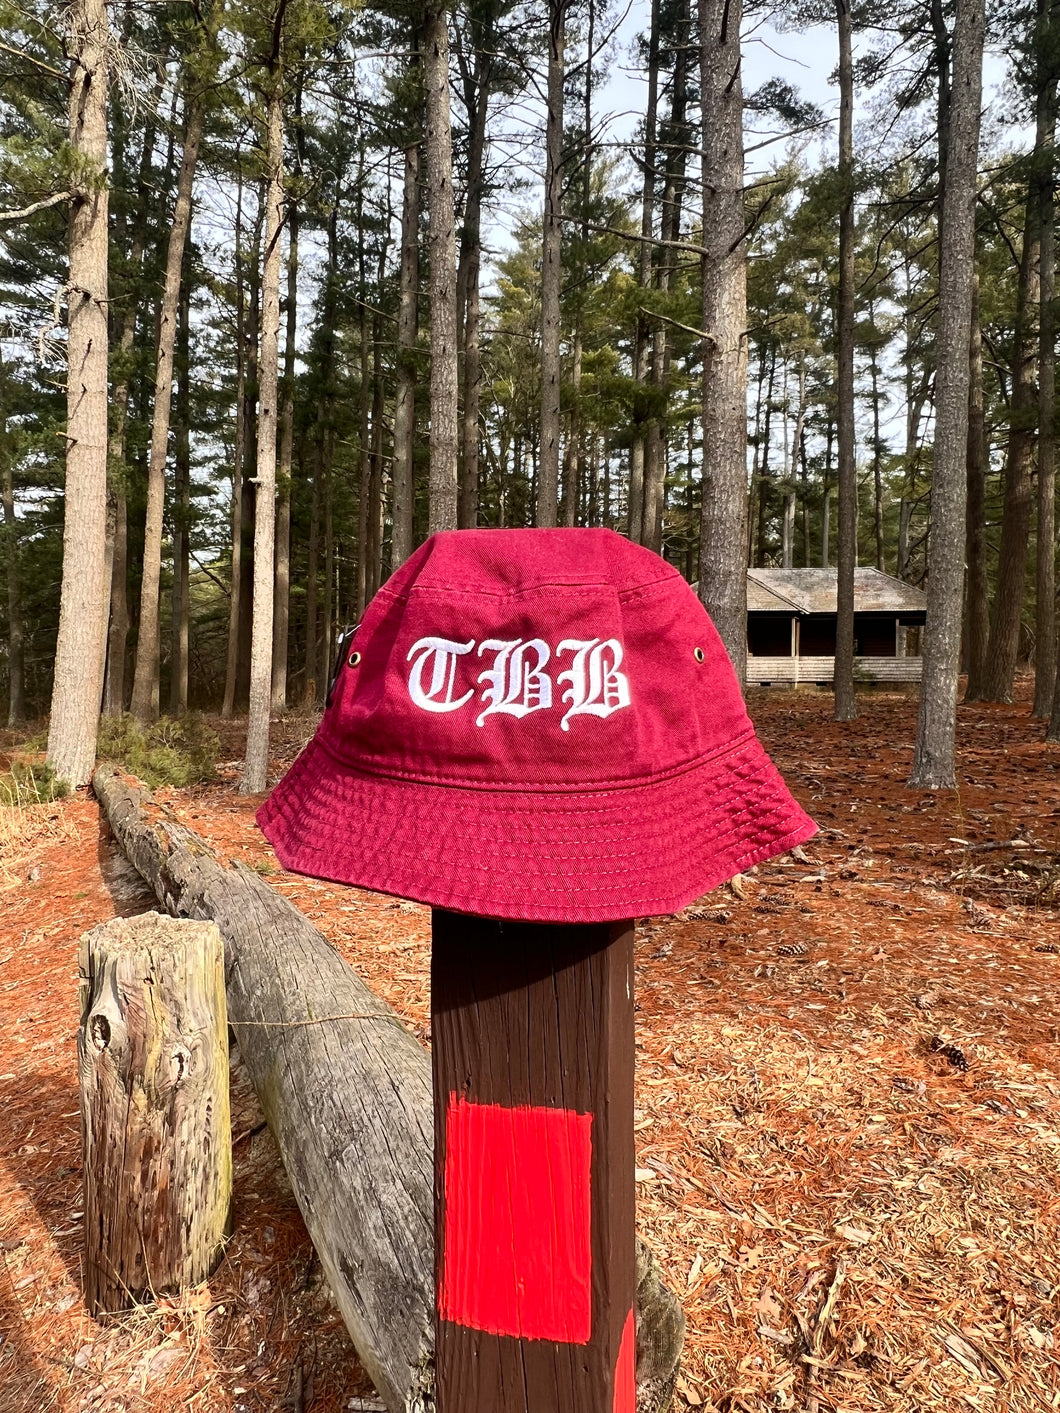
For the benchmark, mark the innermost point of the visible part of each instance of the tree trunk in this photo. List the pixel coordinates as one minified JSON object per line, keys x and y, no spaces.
{"x":442,"y":508}
{"x":375,"y":485}
{"x":178,"y":682}
{"x":255,"y":771}
{"x":281,"y":610}
{"x":933,"y":760}
{"x":677,"y":139}
{"x":787,"y":531}
{"x":312,"y":575}
{"x":1011,"y":589}
{"x":327,"y":602}
{"x":366,"y":1091}
{"x":477,"y":84}
{"x":364,"y":437}
{"x":546,"y":510}
{"x":249,"y":492}
{"x":1045,"y":570}
{"x":826,"y":497}
{"x":16,"y":685}
{"x":638,"y":458}
{"x":405,"y":393}
{"x":877,"y":451}
{"x":977,"y":605}
{"x":722,"y":570}
{"x":763,"y":480}
{"x":118,"y":472}
{"x":144,"y":703}
{"x":153,"y":1061}
{"x":78,"y":681}
{"x":238,"y":451}
{"x":570,"y":472}
{"x":792,"y":471}
{"x":846,"y":479}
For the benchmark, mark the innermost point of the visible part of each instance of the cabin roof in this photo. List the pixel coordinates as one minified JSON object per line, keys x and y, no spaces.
{"x":814,"y":591}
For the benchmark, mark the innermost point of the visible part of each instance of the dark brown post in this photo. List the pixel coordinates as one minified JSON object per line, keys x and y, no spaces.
{"x":532,"y":1045}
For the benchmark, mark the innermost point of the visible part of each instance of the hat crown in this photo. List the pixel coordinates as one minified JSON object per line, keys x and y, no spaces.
{"x":534,"y":659}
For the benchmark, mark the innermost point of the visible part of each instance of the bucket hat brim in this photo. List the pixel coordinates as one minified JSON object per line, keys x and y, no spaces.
{"x":562,"y":855}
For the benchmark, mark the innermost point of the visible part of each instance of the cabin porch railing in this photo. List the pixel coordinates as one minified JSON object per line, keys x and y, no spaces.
{"x":793,"y":670}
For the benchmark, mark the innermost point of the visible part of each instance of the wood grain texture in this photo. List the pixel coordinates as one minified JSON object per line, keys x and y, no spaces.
{"x":349,"y":1103}
{"x":153,"y":1062}
{"x":534,"y":1022}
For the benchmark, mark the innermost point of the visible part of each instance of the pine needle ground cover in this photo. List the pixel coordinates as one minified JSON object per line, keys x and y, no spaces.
{"x":848,"y":1107}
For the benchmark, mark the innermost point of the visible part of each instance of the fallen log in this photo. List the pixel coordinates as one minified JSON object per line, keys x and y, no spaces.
{"x":346,"y":1090}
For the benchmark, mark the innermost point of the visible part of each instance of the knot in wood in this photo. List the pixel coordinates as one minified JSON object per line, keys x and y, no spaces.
{"x":99,"y":1031}
{"x":180,"y":1061}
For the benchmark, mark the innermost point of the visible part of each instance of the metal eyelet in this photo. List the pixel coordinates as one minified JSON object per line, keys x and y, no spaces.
{"x":353,"y":659}
{"x":698,"y":654}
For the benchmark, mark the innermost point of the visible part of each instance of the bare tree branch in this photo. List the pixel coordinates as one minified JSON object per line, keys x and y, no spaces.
{"x":26,"y":211}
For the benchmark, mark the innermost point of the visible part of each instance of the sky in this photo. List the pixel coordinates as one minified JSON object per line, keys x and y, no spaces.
{"x":806,"y":59}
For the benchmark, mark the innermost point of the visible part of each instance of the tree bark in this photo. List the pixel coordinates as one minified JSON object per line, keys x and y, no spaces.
{"x":722,"y":568}
{"x":16,"y":683}
{"x":977,"y":604}
{"x":312,"y":576}
{"x":375,"y":485}
{"x":364,"y":437}
{"x":675,"y":138}
{"x":179,"y":627}
{"x":1045,"y":557}
{"x":1011,"y":587}
{"x":255,"y":770}
{"x":846,"y":478}
{"x":442,"y":505}
{"x":477,"y":81}
{"x":547,"y":508}
{"x":249,"y":491}
{"x":153,"y":1063}
{"x":238,"y":452}
{"x":877,"y":454}
{"x":281,"y":610}
{"x":362,"y":1092}
{"x":638,"y":459}
{"x":144,"y":705}
{"x":117,"y":470}
{"x":78,"y":681}
{"x":934,"y":765}
{"x":763,"y":480}
{"x":327,"y":602}
{"x":405,"y":393}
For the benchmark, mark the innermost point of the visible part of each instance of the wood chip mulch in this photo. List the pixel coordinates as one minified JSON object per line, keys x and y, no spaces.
{"x":848,"y":1106}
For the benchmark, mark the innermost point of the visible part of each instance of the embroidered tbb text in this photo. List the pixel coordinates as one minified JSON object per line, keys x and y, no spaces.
{"x":517,"y":683}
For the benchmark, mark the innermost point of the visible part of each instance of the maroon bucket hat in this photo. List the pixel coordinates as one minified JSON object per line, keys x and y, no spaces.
{"x":534,"y":724}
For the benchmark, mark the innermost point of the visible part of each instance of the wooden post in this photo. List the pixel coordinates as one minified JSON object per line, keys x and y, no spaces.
{"x":153,"y":1062}
{"x":532,"y":1045}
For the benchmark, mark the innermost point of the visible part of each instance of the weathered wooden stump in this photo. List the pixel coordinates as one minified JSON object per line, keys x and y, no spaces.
{"x":532,"y":1046}
{"x":153,"y":1062}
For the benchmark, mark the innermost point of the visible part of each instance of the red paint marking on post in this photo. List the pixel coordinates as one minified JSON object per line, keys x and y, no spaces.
{"x":625,"y":1400}
{"x":517,"y":1258}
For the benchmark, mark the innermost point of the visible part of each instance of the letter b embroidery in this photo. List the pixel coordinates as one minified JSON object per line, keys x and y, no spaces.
{"x":515,"y":687}
{"x":597,"y":688}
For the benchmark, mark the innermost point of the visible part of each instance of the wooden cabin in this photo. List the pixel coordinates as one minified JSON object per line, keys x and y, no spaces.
{"x":791,"y":626}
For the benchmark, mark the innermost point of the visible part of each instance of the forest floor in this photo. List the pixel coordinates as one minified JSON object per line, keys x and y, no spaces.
{"x":848,"y":1104}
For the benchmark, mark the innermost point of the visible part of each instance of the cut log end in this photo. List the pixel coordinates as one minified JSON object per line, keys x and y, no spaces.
{"x":153,"y":1069}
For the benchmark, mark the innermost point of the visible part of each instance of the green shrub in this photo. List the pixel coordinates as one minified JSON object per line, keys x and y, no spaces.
{"x":31,"y":782}
{"x":171,"y":751}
